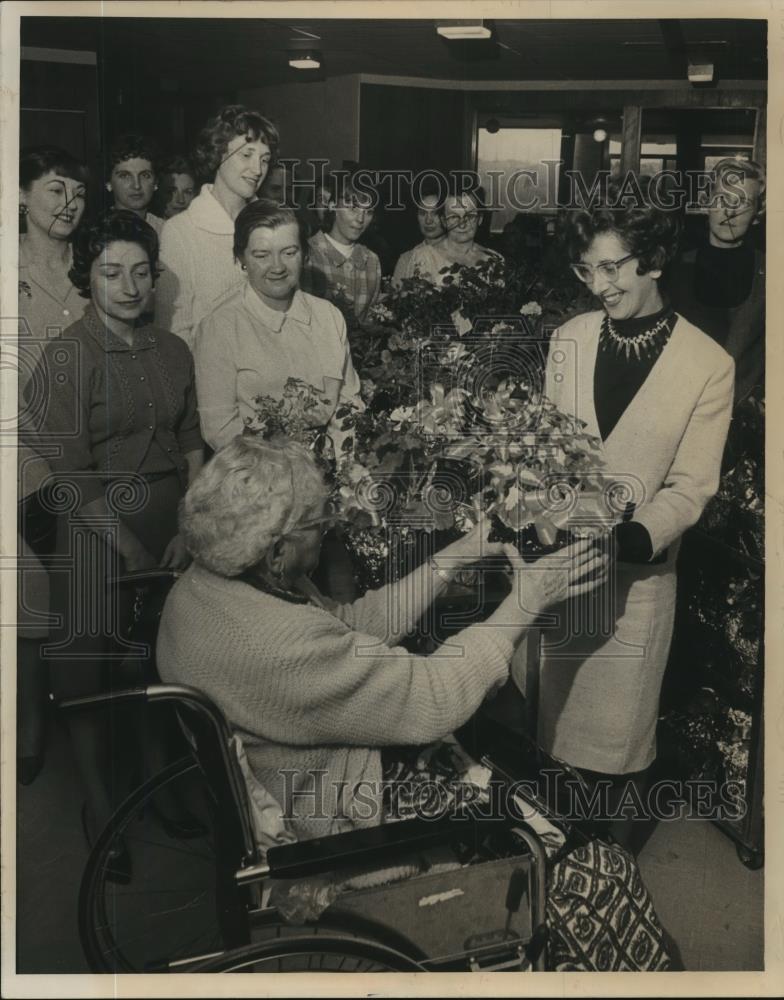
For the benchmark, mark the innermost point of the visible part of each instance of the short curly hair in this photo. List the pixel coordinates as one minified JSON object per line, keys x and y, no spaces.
{"x":132,"y":146}
{"x":648,"y":232}
{"x":266,"y":214}
{"x":231,"y":121}
{"x":116,"y":226}
{"x":249,"y":495}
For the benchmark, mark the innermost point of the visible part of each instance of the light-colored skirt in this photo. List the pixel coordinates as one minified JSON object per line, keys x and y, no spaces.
{"x":600,"y":670}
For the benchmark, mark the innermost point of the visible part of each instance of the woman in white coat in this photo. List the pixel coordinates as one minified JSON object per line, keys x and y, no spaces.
{"x":658,"y":392}
{"x":197,"y":263}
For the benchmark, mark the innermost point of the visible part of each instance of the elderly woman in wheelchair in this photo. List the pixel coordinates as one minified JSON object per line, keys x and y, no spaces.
{"x":313,"y":689}
{"x":313,"y":695}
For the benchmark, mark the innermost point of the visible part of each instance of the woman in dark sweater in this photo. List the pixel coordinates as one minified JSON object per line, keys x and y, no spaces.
{"x":121,"y":408}
{"x":720,"y":285}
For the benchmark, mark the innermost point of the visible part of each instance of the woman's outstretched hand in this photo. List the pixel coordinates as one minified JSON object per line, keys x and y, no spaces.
{"x":574,"y":570}
{"x":471,"y":548}
{"x":568,"y":573}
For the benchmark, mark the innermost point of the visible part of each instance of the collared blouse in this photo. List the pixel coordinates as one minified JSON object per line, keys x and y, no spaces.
{"x":331,"y":274}
{"x":244,"y":349}
{"x":44,"y":311}
{"x":114,"y":409}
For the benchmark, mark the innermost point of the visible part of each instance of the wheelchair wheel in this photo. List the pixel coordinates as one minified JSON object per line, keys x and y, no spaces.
{"x":170,"y":907}
{"x":296,"y":951}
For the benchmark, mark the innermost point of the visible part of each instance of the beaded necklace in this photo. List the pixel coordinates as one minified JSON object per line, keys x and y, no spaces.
{"x":647,"y":342}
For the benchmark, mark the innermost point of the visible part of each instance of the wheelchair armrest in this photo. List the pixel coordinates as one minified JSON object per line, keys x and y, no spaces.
{"x":369,"y":846}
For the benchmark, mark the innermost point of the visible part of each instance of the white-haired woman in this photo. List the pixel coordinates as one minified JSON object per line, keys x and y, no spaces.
{"x":314,"y":688}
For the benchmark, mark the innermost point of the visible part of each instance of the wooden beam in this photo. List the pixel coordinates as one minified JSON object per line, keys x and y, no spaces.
{"x":631,"y":137}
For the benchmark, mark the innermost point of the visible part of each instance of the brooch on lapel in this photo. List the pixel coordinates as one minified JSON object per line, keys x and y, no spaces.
{"x":25,"y":288}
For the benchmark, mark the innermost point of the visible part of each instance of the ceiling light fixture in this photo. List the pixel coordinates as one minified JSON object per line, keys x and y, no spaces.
{"x":462,"y":29}
{"x":303,"y":53}
{"x":305,"y":60}
{"x":700,"y":72}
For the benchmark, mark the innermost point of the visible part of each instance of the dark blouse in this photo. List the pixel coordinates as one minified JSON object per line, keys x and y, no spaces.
{"x":618,"y":377}
{"x":112,"y":409}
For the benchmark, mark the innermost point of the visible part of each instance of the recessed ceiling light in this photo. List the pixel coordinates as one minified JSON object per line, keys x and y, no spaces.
{"x":462,"y":29}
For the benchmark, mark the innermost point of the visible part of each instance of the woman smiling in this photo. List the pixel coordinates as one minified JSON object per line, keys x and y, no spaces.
{"x":234,"y":152}
{"x":459,"y":217}
{"x":658,"y":393}
{"x":52,"y":192}
{"x":268,"y":330}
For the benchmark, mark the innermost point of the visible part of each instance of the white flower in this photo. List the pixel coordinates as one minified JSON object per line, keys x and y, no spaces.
{"x":531,"y":309}
{"x":402,"y":414}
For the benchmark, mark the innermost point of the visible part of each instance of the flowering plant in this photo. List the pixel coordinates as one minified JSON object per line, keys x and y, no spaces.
{"x":298,"y":414}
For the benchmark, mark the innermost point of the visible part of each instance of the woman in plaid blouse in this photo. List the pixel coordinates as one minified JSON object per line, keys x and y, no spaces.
{"x":340,"y":268}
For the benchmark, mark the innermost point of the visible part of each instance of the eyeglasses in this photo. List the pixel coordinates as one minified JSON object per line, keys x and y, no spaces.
{"x":461,"y":220}
{"x":326,"y":522}
{"x":607,"y":268}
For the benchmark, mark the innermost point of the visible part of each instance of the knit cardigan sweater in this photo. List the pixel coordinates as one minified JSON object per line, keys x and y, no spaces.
{"x":314,"y":694}
{"x":197,"y":265}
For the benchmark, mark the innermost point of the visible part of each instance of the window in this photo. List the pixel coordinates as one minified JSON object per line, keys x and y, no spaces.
{"x":518,"y":168}
{"x":657,"y":153}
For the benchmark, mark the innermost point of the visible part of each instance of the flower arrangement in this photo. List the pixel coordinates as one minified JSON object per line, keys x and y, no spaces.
{"x":453,"y":422}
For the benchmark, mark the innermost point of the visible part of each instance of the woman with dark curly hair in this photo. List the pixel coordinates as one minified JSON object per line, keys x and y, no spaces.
{"x":131,"y":177}
{"x":658,"y":393}
{"x":121,"y":407}
{"x":234,"y":153}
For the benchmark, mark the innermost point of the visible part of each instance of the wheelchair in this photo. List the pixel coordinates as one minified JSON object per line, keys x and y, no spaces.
{"x":200,"y":901}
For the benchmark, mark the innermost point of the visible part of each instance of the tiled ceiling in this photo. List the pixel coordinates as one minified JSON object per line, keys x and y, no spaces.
{"x":227,"y":53}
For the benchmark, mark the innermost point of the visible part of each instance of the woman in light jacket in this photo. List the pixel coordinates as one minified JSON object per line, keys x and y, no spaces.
{"x":197,"y":265}
{"x":658,"y":392}
{"x":268,"y":330}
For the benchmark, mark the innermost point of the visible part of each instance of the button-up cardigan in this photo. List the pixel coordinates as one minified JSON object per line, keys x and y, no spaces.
{"x":114,"y":409}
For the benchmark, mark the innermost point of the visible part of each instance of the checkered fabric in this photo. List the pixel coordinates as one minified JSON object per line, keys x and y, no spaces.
{"x":353,"y":281}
